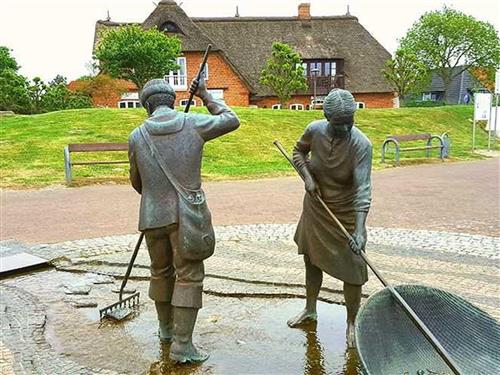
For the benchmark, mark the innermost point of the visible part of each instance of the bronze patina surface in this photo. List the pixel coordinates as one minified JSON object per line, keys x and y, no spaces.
{"x":335,"y":158}
{"x":173,"y":140}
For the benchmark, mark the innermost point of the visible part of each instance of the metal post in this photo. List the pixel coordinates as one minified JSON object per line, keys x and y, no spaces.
{"x":489,"y":127}
{"x":67,"y":165}
{"x":474,"y":134}
{"x":496,"y":118}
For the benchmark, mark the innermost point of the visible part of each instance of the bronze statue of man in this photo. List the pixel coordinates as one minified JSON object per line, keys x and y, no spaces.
{"x":339,"y":170}
{"x":177,"y":138}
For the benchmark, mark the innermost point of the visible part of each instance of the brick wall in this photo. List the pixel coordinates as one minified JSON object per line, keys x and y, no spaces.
{"x":220,"y":76}
{"x":371,"y":100}
{"x":376,"y":100}
{"x":236,"y":93}
{"x":108,"y":93}
{"x":269,"y":101}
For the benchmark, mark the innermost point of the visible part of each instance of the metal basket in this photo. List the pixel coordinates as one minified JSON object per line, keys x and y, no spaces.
{"x":390,"y":344}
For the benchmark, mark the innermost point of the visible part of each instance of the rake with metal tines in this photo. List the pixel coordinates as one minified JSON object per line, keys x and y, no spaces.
{"x":125,"y":306}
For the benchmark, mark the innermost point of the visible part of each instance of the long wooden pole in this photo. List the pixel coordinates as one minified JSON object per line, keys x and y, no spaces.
{"x":443,"y":353}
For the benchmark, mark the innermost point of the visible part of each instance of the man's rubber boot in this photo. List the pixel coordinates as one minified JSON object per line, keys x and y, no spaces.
{"x":183,"y":349}
{"x":165,"y":320}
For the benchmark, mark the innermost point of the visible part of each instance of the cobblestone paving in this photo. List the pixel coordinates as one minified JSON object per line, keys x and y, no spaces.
{"x":250,"y":261}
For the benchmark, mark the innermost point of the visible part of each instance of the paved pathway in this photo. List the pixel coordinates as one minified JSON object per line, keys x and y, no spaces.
{"x":456,"y":197}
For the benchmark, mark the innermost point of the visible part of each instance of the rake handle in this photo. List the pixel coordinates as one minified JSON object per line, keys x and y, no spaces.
{"x":443,"y":353}
{"x":130,"y":265}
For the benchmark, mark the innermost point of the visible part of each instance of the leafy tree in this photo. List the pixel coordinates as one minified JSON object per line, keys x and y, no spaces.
{"x":58,"y":97}
{"x":102,"y":85}
{"x":14,"y":94}
{"x":13,"y":86}
{"x":485,"y":76}
{"x":449,"y":42}
{"x":137,"y":55}
{"x":20,"y":96}
{"x":36,"y":91}
{"x":283,"y":72}
{"x":6,"y":60}
{"x":405,"y":72}
{"x":77,"y":100}
{"x":58,"y":80}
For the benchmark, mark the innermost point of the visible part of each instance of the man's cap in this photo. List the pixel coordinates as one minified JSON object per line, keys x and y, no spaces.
{"x":153,"y":87}
{"x":339,"y":106}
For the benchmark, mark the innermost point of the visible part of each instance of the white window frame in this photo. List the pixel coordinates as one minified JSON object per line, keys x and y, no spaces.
{"x":333,"y":68}
{"x":217,"y":94}
{"x":184,"y":102}
{"x":427,"y":96}
{"x":360,"y":105}
{"x":296,"y":107}
{"x":178,"y":79}
{"x":135,"y":104}
{"x":316,"y":104}
{"x":276,"y":106}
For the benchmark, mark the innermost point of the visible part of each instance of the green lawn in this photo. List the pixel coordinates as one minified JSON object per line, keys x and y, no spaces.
{"x":31,"y":147}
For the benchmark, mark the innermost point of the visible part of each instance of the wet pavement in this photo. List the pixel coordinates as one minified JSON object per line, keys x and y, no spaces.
{"x":46,"y":334}
{"x":254,"y":284}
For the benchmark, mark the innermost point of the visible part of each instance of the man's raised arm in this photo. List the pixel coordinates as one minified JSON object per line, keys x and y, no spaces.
{"x":222,"y":120}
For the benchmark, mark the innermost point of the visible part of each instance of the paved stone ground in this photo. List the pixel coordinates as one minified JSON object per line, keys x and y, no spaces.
{"x":46,"y":334}
{"x":435,"y":230}
{"x":453,"y":197}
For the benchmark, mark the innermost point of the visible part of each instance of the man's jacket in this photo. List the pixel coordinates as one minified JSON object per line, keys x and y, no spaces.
{"x":179,"y":137}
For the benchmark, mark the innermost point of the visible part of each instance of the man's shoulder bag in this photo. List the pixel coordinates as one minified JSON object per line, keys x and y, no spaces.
{"x":196,"y":233}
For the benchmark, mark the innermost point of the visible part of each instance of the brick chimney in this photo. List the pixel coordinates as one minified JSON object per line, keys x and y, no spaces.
{"x":305,"y":11}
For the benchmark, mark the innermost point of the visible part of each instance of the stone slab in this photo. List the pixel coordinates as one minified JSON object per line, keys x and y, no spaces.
{"x":81,"y":301}
{"x":20,"y":263}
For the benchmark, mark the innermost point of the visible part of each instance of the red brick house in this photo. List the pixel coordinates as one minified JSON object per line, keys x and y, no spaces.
{"x":339,"y":49}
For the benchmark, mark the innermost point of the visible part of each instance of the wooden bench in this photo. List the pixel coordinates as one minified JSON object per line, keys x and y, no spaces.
{"x":91,"y":147}
{"x":397,"y":139}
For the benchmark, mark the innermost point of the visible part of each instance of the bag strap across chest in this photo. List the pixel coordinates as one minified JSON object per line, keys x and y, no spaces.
{"x":192,"y":196}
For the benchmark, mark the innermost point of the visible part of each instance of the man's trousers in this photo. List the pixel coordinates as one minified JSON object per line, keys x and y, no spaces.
{"x":173,"y":279}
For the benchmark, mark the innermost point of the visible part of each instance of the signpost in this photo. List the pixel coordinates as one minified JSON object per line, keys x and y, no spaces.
{"x":497,"y":92}
{"x":482,"y":110}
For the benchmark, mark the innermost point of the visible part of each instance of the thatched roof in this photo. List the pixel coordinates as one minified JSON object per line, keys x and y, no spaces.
{"x":192,"y":38}
{"x":102,"y":25}
{"x":245,"y":43}
{"x":248,"y":41}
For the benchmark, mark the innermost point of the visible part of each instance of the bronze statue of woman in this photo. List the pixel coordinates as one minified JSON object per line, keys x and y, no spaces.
{"x":335,"y":159}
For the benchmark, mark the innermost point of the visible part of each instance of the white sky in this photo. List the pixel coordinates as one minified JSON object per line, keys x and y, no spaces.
{"x":50,"y":37}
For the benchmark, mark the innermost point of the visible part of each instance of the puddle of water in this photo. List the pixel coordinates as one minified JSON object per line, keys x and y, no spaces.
{"x":258,"y":341}
{"x":242,"y":335}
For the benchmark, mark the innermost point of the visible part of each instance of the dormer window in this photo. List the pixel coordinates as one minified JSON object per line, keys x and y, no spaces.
{"x":170,"y":27}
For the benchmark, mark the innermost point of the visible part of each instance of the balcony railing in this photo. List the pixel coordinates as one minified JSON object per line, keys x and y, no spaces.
{"x":324,"y":84}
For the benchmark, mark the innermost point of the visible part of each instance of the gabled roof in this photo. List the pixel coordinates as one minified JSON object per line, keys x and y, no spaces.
{"x":245,"y":43}
{"x":191,"y":36}
{"x":461,"y":78}
{"x":248,"y":40}
{"x":103,"y":25}
{"x":193,"y":39}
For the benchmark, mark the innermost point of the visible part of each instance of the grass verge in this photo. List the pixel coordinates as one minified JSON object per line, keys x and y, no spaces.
{"x":31,"y":147}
